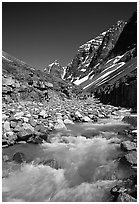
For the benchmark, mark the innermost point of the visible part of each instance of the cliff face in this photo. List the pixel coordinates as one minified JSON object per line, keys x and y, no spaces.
{"x":105,"y":65}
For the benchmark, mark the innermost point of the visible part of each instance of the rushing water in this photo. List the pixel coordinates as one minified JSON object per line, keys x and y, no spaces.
{"x":85,"y":166}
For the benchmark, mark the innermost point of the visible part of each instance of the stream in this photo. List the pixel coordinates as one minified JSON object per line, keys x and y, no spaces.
{"x":81,"y":163}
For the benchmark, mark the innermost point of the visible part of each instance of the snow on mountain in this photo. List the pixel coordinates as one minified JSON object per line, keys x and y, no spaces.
{"x":55,"y":69}
{"x":103,"y":65}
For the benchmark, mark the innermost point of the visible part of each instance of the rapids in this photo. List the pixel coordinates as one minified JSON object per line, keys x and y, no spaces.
{"x":85,"y":165}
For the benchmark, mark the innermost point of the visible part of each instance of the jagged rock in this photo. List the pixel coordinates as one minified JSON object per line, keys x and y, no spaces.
{"x":128,"y":146}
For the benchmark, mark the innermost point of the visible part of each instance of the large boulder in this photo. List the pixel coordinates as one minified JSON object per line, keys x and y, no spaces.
{"x":59,"y":125}
{"x":67,"y":121}
{"x":86,"y":119}
{"x":128,"y":146}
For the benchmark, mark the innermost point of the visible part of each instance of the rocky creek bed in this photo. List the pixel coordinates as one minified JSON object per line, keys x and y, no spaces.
{"x":69,"y":150}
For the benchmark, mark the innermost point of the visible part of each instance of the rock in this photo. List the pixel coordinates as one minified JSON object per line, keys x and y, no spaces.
{"x":11,"y":137}
{"x":124,"y":197}
{"x":28,"y":115}
{"x":78,"y":114}
{"x":28,"y":126}
{"x":59,"y":115}
{"x":93,"y":117}
{"x":5,"y":158}
{"x":24,"y":135}
{"x":131,"y":120}
{"x":35,"y":140}
{"x":32,"y":122}
{"x":51,"y":162}
{"x":60,"y":124}
{"x":4,"y":116}
{"x":86,"y":119}
{"x":101,"y":115}
{"x":132,"y":157}
{"x":50,"y":125}
{"x":19,"y":115}
{"x":18,"y":128}
{"x":25,"y":119}
{"x":37,"y":128}
{"x":13,"y":124}
{"x":43,"y":129}
{"x":19,"y":157}
{"x":128,"y":146}
{"x":43,"y":114}
{"x":6,"y":126}
{"x":67,"y":121}
{"x":50,"y":85}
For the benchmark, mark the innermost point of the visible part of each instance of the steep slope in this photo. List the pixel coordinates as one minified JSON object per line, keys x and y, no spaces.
{"x":93,"y":53}
{"x":107,"y":62}
{"x":21,"y":81}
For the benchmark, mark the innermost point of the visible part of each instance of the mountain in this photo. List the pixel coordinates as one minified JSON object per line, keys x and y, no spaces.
{"x":107,"y":65}
{"x":55,"y":69}
{"x":21,"y":81}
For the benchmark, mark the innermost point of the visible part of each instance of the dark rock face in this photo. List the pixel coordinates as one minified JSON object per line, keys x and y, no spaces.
{"x":128,"y":38}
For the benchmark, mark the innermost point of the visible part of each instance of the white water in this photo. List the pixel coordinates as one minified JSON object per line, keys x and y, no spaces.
{"x":88,"y":170}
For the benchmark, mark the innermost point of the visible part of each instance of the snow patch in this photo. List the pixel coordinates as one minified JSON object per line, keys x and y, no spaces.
{"x":64,"y":72}
{"x":79,"y":81}
{"x":106,"y":74}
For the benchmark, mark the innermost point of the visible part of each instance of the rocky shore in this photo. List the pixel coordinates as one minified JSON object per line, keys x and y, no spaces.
{"x":33,"y":121}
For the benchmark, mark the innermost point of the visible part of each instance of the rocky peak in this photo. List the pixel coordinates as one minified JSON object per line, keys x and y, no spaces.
{"x":93,"y":52}
{"x":55,"y":69}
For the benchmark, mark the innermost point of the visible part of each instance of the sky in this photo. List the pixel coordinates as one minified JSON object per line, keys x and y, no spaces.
{"x":40,"y":32}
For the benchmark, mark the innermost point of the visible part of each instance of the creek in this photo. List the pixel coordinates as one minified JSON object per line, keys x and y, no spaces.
{"x":81,"y":163}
